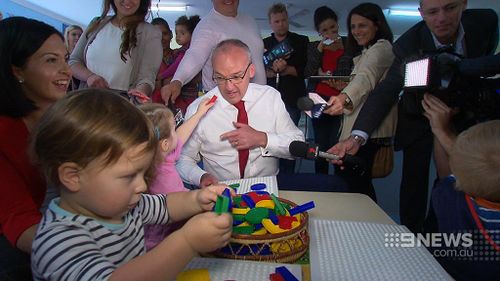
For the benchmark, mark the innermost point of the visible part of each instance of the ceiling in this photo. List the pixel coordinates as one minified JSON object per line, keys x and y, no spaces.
{"x":300,"y":11}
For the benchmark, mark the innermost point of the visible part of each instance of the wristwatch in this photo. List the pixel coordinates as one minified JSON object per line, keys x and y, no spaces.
{"x":358,"y":139}
{"x":347,"y":102}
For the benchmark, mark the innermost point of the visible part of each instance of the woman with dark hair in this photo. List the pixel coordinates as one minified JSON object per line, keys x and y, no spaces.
{"x":121,"y":51}
{"x":322,"y":57}
{"x":168,"y":56}
{"x":33,"y":74}
{"x":370,"y":36}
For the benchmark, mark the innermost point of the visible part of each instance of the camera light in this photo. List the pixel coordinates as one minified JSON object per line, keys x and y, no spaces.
{"x":417,"y":73}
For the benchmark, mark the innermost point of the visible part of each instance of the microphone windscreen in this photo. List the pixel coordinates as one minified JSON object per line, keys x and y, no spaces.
{"x":298,"y":149}
{"x":305,"y":103}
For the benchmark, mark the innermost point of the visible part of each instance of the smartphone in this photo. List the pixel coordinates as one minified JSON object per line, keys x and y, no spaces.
{"x":281,"y":50}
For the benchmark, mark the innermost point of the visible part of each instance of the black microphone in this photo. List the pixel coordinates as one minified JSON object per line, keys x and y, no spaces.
{"x":311,"y":151}
{"x":306,"y":104}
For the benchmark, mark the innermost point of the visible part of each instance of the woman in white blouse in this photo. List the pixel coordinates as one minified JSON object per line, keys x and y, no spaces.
{"x":121,"y":51}
{"x":370,"y":36}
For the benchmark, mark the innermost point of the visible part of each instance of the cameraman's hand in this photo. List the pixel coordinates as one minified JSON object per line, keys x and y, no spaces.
{"x":438,"y":113}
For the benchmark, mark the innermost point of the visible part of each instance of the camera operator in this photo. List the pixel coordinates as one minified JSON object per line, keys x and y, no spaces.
{"x":471,"y":33}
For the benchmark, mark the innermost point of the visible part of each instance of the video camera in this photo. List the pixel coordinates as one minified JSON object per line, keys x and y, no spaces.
{"x":280,"y":50}
{"x":440,"y":74}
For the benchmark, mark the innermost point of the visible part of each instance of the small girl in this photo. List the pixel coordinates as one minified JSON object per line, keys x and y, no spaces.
{"x":100,"y":162}
{"x":171,"y":141}
{"x":184,"y":28}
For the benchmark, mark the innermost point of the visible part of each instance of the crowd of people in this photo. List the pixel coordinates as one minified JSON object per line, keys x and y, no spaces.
{"x":134,"y":185}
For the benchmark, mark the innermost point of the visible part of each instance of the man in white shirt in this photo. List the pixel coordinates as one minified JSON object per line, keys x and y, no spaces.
{"x":223,"y":22}
{"x":219,"y":139}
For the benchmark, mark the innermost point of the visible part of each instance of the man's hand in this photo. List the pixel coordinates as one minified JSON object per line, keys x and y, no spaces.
{"x":348,"y":146}
{"x":279,"y":65}
{"x":96,"y":81}
{"x":438,"y":113}
{"x":207,"y":180}
{"x":171,"y":91}
{"x":245,"y":137}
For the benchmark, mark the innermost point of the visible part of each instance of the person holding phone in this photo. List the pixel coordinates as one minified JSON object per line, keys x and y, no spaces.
{"x":322,"y":57}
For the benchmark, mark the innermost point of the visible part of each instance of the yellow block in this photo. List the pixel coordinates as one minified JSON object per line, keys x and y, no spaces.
{"x":284,"y":246}
{"x":200,"y":274}
{"x":271,"y":227}
{"x":269,"y":204}
{"x":240,"y":211}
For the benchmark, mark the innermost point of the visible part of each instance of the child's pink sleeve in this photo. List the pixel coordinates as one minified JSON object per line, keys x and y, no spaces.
{"x":170,"y":71}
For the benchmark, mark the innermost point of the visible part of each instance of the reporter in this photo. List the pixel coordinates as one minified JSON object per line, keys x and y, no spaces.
{"x":33,"y":74}
{"x":369,"y":33}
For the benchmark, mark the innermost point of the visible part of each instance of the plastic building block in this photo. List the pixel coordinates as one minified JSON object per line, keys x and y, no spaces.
{"x":301,"y":208}
{"x":287,"y":275}
{"x":258,"y":186}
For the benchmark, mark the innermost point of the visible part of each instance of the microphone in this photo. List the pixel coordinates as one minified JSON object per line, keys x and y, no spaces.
{"x":311,"y":151}
{"x":306,"y":104}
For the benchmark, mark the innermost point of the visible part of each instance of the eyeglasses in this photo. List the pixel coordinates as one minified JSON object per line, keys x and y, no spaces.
{"x":219,"y":80}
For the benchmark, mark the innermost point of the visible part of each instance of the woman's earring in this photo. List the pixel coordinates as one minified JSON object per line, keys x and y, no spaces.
{"x":21,"y":81}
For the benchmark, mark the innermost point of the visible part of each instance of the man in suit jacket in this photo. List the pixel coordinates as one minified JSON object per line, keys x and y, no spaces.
{"x":473,"y":33}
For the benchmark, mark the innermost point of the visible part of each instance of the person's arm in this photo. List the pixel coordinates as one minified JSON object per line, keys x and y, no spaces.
{"x":185,"y":130}
{"x":440,"y":115}
{"x":285,"y":131}
{"x":187,"y":166}
{"x":150,"y":57}
{"x":381,"y":100}
{"x":369,"y":71}
{"x":202,"y":43}
{"x":19,"y":214}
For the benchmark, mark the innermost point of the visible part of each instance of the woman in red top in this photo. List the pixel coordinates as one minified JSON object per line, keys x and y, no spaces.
{"x":34,"y":74}
{"x":322,"y":58}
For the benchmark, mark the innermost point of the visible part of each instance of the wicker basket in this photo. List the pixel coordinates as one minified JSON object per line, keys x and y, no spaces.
{"x":293,"y":244}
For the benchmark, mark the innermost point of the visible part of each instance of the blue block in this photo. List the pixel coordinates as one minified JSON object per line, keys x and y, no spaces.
{"x":258,"y":186}
{"x":286,"y":274}
{"x":248,"y":200}
{"x":301,"y":208}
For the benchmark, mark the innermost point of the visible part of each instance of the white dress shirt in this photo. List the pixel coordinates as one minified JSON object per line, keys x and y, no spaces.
{"x":266,"y":113}
{"x":212,"y":29}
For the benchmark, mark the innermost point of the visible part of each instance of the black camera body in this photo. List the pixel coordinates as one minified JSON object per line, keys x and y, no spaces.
{"x":439,"y":74}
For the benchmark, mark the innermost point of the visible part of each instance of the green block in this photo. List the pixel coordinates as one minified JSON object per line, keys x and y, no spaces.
{"x":278,"y":208}
{"x":255,"y":215}
{"x":243,"y":229}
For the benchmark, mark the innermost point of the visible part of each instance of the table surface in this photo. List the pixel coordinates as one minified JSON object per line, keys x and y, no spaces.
{"x":339,"y":206}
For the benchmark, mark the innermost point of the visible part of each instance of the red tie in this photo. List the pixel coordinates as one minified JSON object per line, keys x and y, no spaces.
{"x":242,"y":154}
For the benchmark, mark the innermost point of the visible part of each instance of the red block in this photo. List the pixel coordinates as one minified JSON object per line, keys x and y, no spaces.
{"x":276,"y":277}
{"x":285,"y":222}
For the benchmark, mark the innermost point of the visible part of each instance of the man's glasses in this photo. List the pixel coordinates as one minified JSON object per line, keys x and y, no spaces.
{"x":219,"y":80}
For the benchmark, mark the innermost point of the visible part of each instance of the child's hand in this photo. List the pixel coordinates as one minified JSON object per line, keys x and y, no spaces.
{"x":207,"y":197}
{"x":204,"y":106}
{"x":208,"y":231}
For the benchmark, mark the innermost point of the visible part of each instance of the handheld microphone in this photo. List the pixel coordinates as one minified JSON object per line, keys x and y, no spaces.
{"x":311,"y":151}
{"x":306,"y":104}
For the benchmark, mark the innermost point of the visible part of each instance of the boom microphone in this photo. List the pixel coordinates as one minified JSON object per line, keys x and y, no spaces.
{"x":311,"y":151}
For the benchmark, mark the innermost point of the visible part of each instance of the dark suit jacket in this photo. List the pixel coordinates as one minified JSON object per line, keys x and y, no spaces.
{"x":481,"y":38}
